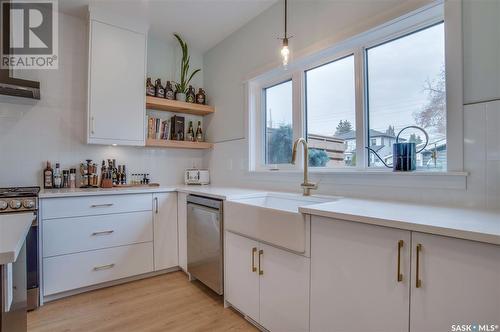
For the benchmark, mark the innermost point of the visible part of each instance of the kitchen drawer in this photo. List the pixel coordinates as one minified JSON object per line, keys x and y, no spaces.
{"x":68,"y":272}
{"x":71,"y":235}
{"x":95,"y":205}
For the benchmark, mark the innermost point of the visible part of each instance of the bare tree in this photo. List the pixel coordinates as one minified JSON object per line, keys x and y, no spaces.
{"x":433,"y":114}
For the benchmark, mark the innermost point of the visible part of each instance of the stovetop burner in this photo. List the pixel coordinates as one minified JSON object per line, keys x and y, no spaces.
{"x":19,"y":192}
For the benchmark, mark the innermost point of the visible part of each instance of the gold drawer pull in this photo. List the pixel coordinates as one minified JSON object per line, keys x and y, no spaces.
{"x":104,"y":267}
{"x":400,"y":275}
{"x":254,"y":250}
{"x":261,"y":253}
{"x":419,"y":282}
{"x":103,"y":233}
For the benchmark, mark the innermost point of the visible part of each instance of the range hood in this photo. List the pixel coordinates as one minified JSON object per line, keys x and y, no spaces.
{"x":18,"y":87}
{"x":9,"y":85}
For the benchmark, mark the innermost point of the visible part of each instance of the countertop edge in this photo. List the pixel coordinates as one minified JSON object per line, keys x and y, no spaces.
{"x":407,"y":225}
{"x":10,"y":256}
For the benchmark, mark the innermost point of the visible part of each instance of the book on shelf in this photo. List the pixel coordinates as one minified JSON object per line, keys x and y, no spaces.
{"x":158,"y":129}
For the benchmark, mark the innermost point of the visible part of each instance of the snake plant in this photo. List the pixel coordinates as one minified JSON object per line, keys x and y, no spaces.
{"x":183,"y":85}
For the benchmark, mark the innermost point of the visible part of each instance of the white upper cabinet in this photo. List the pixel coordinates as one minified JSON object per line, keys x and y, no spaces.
{"x":117,"y":73}
{"x":481,"y":28}
{"x":359,"y":282}
{"x":459,"y":283}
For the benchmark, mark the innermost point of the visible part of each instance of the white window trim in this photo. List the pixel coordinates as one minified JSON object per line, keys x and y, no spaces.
{"x":449,"y":11}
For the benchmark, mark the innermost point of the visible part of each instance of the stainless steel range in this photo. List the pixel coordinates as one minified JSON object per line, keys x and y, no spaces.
{"x":22,"y":200}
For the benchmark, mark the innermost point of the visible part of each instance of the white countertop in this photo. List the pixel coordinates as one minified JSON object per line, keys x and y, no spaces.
{"x":211,"y":191}
{"x":13,"y":230}
{"x":470,"y":224}
{"x":54,"y":193}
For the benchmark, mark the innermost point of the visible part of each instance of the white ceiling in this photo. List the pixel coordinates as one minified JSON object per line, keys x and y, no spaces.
{"x":202,"y":23}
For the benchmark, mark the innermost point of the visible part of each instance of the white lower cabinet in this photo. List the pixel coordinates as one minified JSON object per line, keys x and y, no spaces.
{"x":165,"y":231}
{"x":459,"y":284}
{"x":355,"y":285}
{"x":269,"y":285}
{"x":284,"y":290}
{"x":182,"y":227}
{"x":241,"y":284}
{"x":109,"y":237}
{"x":69,"y":272}
{"x":354,"y":277}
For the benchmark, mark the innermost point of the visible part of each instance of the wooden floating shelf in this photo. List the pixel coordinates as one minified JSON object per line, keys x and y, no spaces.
{"x":160,"y":143}
{"x":161,"y":104}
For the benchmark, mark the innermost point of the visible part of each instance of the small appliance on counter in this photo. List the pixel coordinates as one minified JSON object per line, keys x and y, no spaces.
{"x":196,"y":176}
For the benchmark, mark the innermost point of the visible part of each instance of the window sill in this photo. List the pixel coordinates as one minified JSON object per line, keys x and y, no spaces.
{"x":363,"y":172}
{"x":371,"y":177}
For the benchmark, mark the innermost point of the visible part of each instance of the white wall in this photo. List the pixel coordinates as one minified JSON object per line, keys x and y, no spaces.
{"x":318,"y":23}
{"x":54,"y":127}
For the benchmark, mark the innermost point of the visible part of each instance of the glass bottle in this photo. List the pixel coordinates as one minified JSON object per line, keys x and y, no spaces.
{"x":199,"y":133}
{"x":190,"y":133}
{"x":72,"y":178}
{"x":48,"y":180}
{"x":169,"y":91}
{"x":200,"y":97}
{"x":57,"y":177}
{"x":190,"y":96}
{"x":150,"y":88}
{"x":159,"y":89}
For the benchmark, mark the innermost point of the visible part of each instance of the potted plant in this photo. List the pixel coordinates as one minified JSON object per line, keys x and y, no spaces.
{"x":182,"y":86}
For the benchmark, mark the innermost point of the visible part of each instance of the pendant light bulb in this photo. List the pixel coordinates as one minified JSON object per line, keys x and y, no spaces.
{"x":285,"y":52}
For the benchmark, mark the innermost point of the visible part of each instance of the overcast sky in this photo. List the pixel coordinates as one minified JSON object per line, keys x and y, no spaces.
{"x":397,"y":72}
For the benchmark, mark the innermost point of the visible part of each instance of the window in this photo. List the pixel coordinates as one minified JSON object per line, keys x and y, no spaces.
{"x":279,"y":130}
{"x":406,"y":87}
{"x":331,"y":114}
{"x":358,"y":93}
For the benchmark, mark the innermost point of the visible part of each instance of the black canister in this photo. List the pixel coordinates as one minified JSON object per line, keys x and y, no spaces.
{"x":404,"y":155}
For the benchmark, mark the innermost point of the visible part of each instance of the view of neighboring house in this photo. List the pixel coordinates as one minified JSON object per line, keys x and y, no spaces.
{"x":333,"y":146}
{"x":379,"y":141}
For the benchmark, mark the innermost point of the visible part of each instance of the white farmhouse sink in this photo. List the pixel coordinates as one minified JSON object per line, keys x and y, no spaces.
{"x":271,"y":217}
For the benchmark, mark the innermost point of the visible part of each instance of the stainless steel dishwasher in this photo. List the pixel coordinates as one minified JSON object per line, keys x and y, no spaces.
{"x":204,"y":241}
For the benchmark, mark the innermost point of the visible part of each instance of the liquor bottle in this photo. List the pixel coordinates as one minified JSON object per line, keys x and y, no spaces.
{"x":114,"y":171}
{"x":159,"y":89}
{"x":150,"y":88}
{"x":190,"y":133}
{"x":48,"y":180}
{"x":199,"y":133}
{"x":169,"y":91}
{"x":190,"y":96}
{"x":57,"y":177}
{"x":200,"y":97}
{"x":123,"y":179}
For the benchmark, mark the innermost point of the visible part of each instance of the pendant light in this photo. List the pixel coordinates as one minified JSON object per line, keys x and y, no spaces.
{"x":285,"y":51}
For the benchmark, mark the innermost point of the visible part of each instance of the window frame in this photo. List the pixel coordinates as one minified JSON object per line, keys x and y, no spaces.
{"x":357,"y":46}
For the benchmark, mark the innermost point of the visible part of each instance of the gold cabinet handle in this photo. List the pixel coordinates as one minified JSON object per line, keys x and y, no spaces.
{"x":261,"y":252}
{"x":254,"y":268}
{"x":400,"y":275}
{"x":419,"y":282}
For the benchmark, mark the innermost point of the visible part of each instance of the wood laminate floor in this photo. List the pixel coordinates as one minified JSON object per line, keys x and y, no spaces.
{"x":163,"y":303}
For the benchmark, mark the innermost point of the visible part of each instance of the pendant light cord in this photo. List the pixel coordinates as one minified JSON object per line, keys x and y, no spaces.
{"x":286,"y":18}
